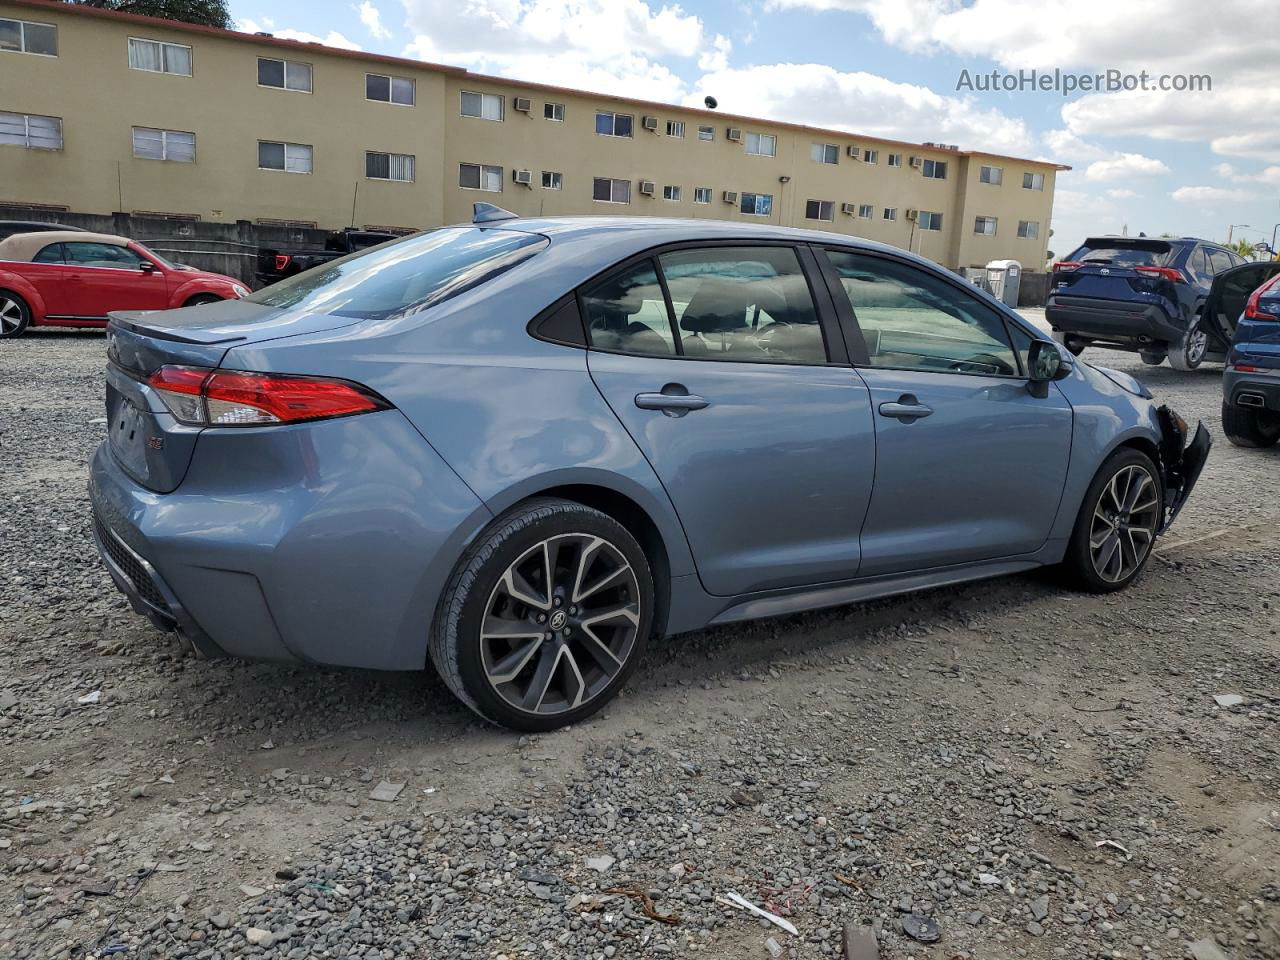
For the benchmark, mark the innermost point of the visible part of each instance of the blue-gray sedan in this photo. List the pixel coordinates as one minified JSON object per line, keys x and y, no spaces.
{"x":517,"y":449}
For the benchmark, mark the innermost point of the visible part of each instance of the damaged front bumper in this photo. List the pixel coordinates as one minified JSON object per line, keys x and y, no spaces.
{"x":1180,"y":462}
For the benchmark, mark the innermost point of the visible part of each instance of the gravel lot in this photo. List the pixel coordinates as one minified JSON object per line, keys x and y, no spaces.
{"x":1033,"y":772}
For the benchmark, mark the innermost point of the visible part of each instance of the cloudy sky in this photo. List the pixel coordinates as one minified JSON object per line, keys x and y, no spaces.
{"x":1185,"y":163}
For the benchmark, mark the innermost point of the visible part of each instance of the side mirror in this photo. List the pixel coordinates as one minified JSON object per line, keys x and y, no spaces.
{"x":146,"y":266}
{"x":1046,"y":362}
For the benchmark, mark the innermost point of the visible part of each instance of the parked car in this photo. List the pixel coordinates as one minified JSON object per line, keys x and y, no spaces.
{"x":9,"y":227}
{"x":1138,"y":293}
{"x":275,"y":265}
{"x":1243,"y":311}
{"x":519,"y":448}
{"x":74,"y":278}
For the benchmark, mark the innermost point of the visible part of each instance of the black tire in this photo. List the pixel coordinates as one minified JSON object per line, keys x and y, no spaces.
{"x":1189,"y":352}
{"x":15,"y":315}
{"x":1151,"y":358}
{"x":1078,"y":563}
{"x":456,"y":637}
{"x":1250,"y":428}
{"x":200,"y":298}
{"x":1076,"y":347}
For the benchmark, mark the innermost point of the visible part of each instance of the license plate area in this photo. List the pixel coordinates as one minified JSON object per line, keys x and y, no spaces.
{"x":151,"y":447}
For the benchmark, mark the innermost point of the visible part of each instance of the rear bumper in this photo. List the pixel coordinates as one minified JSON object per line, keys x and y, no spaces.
{"x":1130,"y":325}
{"x":1250,"y":391}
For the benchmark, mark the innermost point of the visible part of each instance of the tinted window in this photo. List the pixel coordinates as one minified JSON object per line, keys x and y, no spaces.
{"x":743,"y":303}
{"x":1153,"y":253}
{"x":100,"y":255}
{"x":404,"y":276}
{"x":915,"y":321}
{"x":1198,"y":264}
{"x":50,"y":254}
{"x":627,"y":312}
{"x":271,"y":73}
{"x":1219,"y":260}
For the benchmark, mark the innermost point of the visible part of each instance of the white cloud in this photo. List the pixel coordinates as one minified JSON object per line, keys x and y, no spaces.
{"x":1269,"y":175}
{"x":1210,"y":195}
{"x":864,"y":103}
{"x":717,"y":58}
{"x":371,"y":17}
{"x":1124,"y":166}
{"x":331,"y":39}
{"x":1121,"y":193}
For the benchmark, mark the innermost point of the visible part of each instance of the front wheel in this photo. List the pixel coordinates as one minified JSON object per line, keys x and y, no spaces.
{"x":545,"y":616}
{"x":1188,"y":354}
{"x":14,"y":314}
{"x":1071,"y":343}
{"x":1117,"y":524}
{"x":1250,"y":428}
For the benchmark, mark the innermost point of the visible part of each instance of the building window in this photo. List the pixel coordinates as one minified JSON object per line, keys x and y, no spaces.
{"x":1028,"y":229}
{"x":23,"y":36}
{"x":480,"y":176}
{"x":675,"y":128}
{"x":757,"y":204}
{"x":984,"y":226}
{"x":930,"y":221}
{"x":670,"y":193}
{"x":935,"y":169}
{"x":31,"y":131}
{"x":552,"y":180}
{"x":894,"y":160}
{"x":701,"y":194}
{"x":610,"y":191}
{"x":284,"y":74}
{"x":824,"y":153}
{"x":890,"y":213}
{"x":762,"y":145}
{"x":613,"y":124}
{"x":384,"y":89}
{"x":819,"y":210}
{"x":156,"y":57}
{"x":706,"y":133}
{"x":870,"y":156}
{"x":482,"y":106}
{"x":388,"y":166}
{"x":991,"y":175}
{"x":289,"y":157}
{"x":866,"y":211}
{"x":553,"y":111}
{"x":175,"y":145}
{"x":1033,"y":181}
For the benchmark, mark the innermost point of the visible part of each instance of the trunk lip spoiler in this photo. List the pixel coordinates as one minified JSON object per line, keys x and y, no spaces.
{"x":127,"y":321}
{"x":1180,"y":462}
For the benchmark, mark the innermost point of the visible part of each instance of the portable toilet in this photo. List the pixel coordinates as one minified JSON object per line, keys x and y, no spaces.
{"x":1004,"y":277}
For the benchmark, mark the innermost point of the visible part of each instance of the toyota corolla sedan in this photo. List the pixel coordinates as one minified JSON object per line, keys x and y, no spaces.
{"x":72,"y":278}
{"x":518,"y":449}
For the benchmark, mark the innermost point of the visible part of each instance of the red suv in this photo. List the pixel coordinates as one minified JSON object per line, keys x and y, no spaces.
{"x":74,"y":279}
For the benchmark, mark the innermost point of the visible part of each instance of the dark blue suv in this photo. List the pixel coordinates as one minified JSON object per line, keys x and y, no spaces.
{"x":1144,"y":294}
{"x":1243,"y":308}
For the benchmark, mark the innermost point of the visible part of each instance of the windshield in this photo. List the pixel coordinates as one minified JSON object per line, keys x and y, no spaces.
{"x":1150,"y":253}
{"x":405,"y":275}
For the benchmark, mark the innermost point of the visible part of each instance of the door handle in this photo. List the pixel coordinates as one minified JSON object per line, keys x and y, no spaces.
{"x":674,"y":401}
{"x":907,"y":409}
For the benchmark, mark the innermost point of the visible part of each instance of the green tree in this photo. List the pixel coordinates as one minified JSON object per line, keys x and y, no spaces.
{"x":1242,"y":247}
{"x":210,"y":13}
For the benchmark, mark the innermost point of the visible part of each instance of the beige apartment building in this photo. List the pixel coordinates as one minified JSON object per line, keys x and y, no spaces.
{"x":103,"y":112}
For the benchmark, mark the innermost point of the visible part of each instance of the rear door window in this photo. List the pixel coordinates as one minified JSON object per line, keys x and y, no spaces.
{"x":1220,"y":260}
{"x":627,"y":313}
{"x":1124,"y":253}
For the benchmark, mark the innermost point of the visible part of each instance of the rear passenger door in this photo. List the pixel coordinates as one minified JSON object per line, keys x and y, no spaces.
{"x":726,"y":368}
{"x":969,"y":465}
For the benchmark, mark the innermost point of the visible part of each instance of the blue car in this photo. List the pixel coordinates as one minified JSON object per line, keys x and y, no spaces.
{"x":1142,"y":294}
{"x":518,"y":449}
{"x":1244,"y":309}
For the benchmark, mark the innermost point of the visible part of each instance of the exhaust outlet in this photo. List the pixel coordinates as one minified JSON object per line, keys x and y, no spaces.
{"x":1255,"y":400}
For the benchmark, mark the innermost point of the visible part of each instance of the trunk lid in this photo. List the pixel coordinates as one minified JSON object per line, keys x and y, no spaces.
{"x":1107,"y":268}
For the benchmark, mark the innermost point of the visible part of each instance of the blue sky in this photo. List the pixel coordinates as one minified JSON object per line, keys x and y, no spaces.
{"x":1177,"y":162}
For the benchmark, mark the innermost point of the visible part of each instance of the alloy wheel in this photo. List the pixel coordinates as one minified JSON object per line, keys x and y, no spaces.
{"x":1197,"y":346}
{"x":560,"y":624}
{"x":1124,"y":523}
{"x":10,"y":315}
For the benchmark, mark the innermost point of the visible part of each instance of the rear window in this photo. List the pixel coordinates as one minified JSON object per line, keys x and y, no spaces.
{"x":403,"y":276}
{"x":1125,"y":253}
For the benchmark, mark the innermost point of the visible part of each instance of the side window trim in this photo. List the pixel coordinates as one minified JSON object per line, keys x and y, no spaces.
{"x":61,"y":254}
{"x":841,"y":297}
{"x":676,"y":339}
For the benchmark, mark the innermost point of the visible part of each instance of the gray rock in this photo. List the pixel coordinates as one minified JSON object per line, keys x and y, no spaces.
{"x":1039,"y":907}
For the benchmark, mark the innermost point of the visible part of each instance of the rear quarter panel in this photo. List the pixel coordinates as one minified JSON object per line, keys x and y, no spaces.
{"x":14,"y":280}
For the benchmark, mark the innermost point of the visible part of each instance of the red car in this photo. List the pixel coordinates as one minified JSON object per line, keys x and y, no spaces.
{"x":74,"y":279}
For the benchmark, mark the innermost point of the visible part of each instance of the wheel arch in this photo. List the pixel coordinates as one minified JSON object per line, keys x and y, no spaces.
{"x":27,"y":291}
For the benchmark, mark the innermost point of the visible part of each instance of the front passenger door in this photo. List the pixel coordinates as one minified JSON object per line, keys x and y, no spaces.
{"x":969,"y":465}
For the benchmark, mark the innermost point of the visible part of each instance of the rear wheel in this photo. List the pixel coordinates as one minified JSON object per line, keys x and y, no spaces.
{"x":1250,"y":428}
{"x":1117,"y":524}
{"x":1188,"y":354}
{"x":200,"y":298}
{"x":14,"y":314}
{"x":545,"y":616}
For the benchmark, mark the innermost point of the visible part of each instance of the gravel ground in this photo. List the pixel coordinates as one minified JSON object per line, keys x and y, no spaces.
{"x":1020,"y":770}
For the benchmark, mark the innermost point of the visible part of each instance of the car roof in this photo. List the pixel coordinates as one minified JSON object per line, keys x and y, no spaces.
{"x":24,"y":246}
{"x":36,"y":225}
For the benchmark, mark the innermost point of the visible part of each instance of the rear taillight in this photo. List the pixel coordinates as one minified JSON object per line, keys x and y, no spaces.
{"x":233,"y":398}
{"x":282,"y":261}
{"x":1066,"y":266}
{"x":1172,"y":274}
{"x":1251,"y":310}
